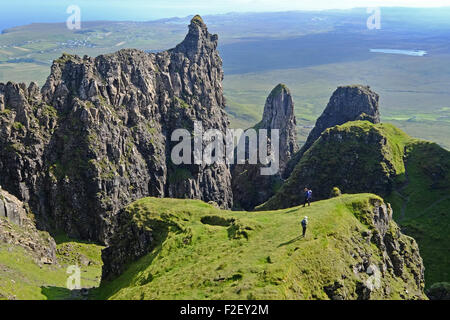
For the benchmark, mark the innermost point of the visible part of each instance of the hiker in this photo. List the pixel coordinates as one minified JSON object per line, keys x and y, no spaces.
{"x":304,"y":225}
{"x":308,"y":197}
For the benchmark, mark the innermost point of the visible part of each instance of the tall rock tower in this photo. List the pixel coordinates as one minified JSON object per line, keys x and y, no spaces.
{"x":98,"y":134}
{"x":279,"y":114}
{"x":250,"y":188}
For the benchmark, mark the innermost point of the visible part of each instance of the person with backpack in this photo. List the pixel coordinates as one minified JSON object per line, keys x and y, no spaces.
{"x":308,"y":197}
{"x":304,"y":225}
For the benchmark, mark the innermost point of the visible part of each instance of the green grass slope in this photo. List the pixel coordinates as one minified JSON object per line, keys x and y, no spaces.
{"x":421,"y":206}
{"x":411,"y":174}
{"x":202,"y":252}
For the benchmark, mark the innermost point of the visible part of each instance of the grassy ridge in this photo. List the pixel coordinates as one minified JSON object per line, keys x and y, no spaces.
{"x":416,"y":177}
{"x":206,"y":253}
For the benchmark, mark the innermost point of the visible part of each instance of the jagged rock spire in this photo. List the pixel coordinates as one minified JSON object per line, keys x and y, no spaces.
{"x":197,"y":39}
{"x":250,"y":188}
{"x":132,"y":96}
{"x":279,"y":114}
{"x":348,"y":103}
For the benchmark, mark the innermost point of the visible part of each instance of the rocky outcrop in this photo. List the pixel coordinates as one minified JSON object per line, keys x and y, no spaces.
{"x":348,"y":103}
{"x":364,"y":256}
{"x":356,"y":157}
{"x":128,"y":243}
{"x":279,"y":114}
{"x":98,"y":134}
{"x":12,"y":209}
{"x":18,"y":229}
{"x":400,"y":252}
{"x":250,"y":188}
{"x":400,"y":258}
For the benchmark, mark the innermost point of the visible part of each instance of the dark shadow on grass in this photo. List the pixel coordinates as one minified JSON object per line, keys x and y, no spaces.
{"x":56,"y":293}
{"x":61,"y":238}
{"x":290,"y":241}
{"x":111,"y":286}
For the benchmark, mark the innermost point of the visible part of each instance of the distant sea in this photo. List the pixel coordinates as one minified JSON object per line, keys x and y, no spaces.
{"x":18,"y":21}
{"x":57,"y":14}
{"x":416,"y":53}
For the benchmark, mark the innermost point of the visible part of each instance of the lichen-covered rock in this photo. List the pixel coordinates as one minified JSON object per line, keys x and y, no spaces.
{"x":400,"y":259}
{"x":26,"y":124}
{"x":98,"y":135}
{"x":348,"y":103}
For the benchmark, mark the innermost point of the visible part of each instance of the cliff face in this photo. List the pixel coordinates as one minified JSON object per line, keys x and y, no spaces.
{"x":250,"y":188}
{"x":279,"y":114}
{"x":98,"y":134}
{"x":348,"y":103}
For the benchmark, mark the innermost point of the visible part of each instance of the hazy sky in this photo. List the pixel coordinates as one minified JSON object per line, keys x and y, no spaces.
{"x":17,"y":12}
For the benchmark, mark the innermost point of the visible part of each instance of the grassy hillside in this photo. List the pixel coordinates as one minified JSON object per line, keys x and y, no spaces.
{"x":355,"y":157}
{"x":421,"y":204}
{"x":204,"y":253}
{"x":21,"y":278}
{"x":412,"y":174}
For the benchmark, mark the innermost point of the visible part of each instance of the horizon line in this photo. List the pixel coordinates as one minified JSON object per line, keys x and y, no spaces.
{"x":239,"y":12}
